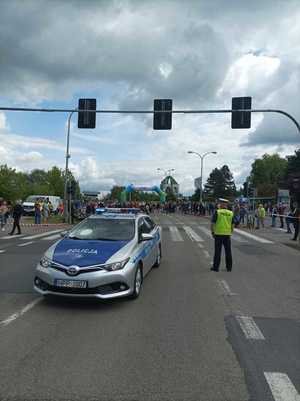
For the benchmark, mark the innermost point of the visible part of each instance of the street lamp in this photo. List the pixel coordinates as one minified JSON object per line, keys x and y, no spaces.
{"x":201,"y":176}
{"x":166,"y":172}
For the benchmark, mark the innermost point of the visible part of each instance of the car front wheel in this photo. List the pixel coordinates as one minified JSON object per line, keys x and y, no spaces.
{"x":158,"y":258}
{"x":138,"y":281}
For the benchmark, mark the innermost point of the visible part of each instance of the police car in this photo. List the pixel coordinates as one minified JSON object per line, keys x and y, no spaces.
{"x":105,"y":256}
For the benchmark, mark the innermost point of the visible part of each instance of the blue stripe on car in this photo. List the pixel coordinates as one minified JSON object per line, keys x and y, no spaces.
{"x":85,"y":253}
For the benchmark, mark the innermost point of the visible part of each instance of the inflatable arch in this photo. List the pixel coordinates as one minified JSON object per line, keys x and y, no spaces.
{"x":131,"y":188}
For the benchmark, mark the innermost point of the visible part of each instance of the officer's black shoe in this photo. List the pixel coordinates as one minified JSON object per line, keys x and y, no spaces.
{"x":214,"y":270}
{"x":229,"y":270}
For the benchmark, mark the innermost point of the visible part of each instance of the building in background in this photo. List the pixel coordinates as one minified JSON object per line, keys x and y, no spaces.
{"x":197,"y":183}
{"x":170,"y":186}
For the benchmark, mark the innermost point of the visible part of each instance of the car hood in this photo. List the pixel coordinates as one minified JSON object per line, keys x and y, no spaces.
{"x":28,"y":204}
{"x":85,"y":253}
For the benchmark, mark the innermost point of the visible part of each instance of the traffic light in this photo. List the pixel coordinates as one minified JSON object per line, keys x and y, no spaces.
{"x":162,"y":121}
{"x":87,"y":119}
{"x":241,"y":119}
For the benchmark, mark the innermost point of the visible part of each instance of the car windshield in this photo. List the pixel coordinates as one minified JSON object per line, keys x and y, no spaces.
{"x":104,"y":229}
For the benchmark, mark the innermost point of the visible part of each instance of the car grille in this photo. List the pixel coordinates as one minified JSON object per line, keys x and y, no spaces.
{"x":102,"y":289}
{"x":64,"y":269}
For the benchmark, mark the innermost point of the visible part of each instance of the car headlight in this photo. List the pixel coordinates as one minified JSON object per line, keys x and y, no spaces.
{"x":45,"y":262}
{"x":116,"y":265}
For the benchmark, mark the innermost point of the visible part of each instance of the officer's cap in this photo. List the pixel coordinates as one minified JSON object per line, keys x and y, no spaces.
{"x":222,"y":200}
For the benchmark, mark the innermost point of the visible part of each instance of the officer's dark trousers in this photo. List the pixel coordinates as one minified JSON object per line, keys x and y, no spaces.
{"x":226,"y":242}
{"x":16,"y":225}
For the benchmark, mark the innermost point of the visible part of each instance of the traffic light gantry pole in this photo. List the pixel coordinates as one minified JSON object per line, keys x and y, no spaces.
{"x":156,"y":111}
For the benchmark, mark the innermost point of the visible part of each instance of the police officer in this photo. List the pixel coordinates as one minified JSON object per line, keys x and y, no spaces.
{"x":221,"y":229}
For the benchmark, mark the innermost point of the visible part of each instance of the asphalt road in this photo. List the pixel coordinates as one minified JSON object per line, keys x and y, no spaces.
{"x":192,"y":335}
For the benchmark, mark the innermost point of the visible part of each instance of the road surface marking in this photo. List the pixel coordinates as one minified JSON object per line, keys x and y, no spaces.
{"x":15,"y":316}
{"x":175,"y":234}
{"x":2,"y":250}
{"x":250,"y":328}
{"x":234,"y":236}
{"x":42,"y":235}
{"x":280,"y":229}
{"x":205,"y":230}
{"x":55,"y":236}
{"x":281,"y":387}
{"x":192,"y":235}
{"x":200,"y":245}
{"x":26,"y":243}
{"x":225,"y":287}
{"x":12,"y":236}
{"x":206,"y":254}
{"x":254,"y":237}
{"x":237,"y":238}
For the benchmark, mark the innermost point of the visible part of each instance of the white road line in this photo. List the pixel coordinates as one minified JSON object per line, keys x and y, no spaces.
{"x":254,"y":237}
{"x":206,"y":254}
{"x":280,"y":229}
{"x":12,"y":236}
{"x":15,"y":316}
{"x":250,"y":328}
{"x":175,"y":234}
{"x":237,"y":238}
{"x":225,"y":287}
{"x":234,"y":236}
{"x":2,"y":250}
{"x":26,"y":243}
{"x":42,"y":235}
{"x":205,"y":230}
{"x":192,"y":235}
{"x":55,"y":236}
{"x":281,"y":387}
{"x":200,"y":245}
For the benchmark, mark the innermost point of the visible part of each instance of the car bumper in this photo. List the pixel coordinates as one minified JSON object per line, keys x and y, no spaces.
{"x":101,"y":284}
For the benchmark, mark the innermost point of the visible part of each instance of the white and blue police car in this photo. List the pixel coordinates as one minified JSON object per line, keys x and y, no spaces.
{"x":105,"y":256}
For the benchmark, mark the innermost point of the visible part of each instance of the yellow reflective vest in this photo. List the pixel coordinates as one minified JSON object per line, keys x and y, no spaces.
{"x":223,"y":225}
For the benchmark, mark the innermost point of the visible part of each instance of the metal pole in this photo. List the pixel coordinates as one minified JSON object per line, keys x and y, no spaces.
{"x":66,"y":206}
{"x":158,"y":111}
{"x":201,"y":178}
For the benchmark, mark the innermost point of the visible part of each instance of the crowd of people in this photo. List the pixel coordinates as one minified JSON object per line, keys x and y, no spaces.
{"x":244,"y":214}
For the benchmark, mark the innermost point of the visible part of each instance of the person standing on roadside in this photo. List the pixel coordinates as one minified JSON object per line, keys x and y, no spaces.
{"x":17,"y":212}
{"x":296,"y":221}
{"x":46,"y":211}
{"x":281,"y":210}
{"x":37,"y":212}
{"x":221,"y":229}
{"x":274,"y":215}
{"x":3,"y":214}
{"x":261,"y":214}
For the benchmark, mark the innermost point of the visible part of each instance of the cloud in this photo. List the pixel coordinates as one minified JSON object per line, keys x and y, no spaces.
{"x":30,"y":157}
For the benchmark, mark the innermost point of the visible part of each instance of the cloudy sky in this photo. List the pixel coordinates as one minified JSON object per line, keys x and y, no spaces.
{"x":125,"y":54}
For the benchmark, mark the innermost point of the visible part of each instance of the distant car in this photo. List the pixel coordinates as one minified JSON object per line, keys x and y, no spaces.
{"x":105,"y":256}
{"x":28,"y":205}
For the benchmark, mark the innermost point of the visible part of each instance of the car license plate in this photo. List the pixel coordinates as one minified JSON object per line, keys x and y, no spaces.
{"x":70,"y":283}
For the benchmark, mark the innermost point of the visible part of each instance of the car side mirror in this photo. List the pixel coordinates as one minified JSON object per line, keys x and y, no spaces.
{"x":146,"y":237}
{"x":63,"y":234}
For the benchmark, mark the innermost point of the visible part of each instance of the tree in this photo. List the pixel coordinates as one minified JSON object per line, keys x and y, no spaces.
{"x":115,"y":193}
{"x":221,"y":184}
{"x":266,"y":174}
{"x":293,"y":163}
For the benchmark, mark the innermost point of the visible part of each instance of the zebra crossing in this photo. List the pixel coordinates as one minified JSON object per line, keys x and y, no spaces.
{"x":25,"y":240}
{"x":199,"y":233}
{"x":176,"y":232}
